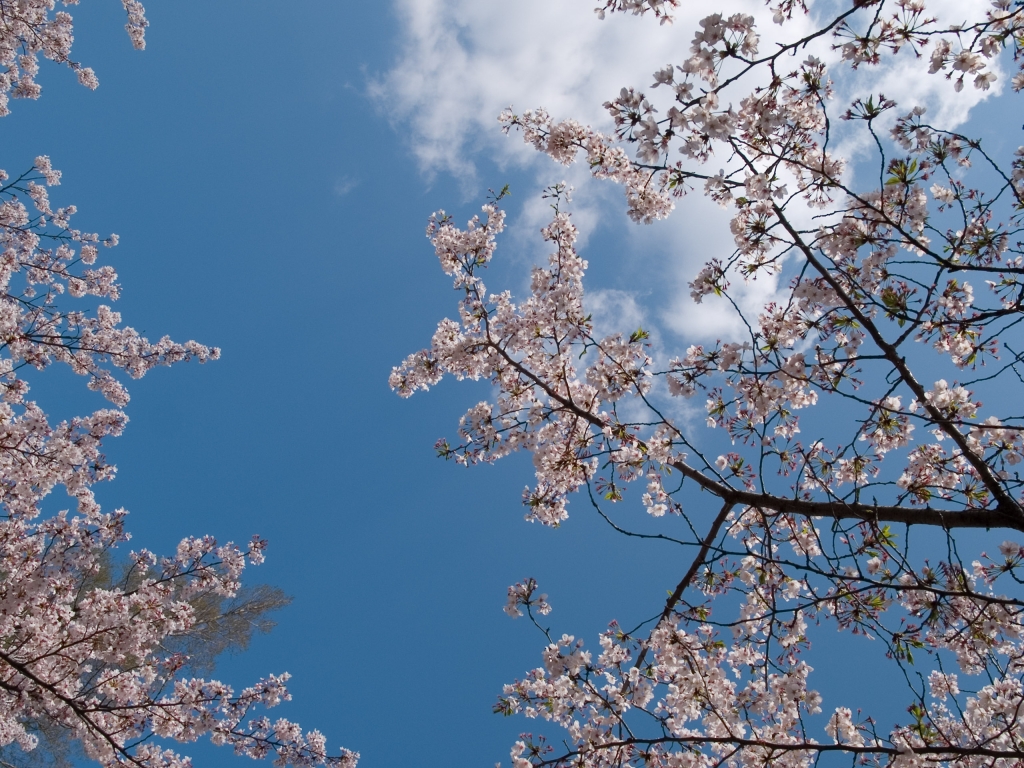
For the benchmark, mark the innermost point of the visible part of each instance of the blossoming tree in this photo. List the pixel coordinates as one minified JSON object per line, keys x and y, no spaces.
{"x":93,"y":658}
{"x":900,"y":293}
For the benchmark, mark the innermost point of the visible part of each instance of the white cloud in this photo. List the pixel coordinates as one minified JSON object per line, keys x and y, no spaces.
{"x":344,"y":185}
{"x":463,"y":61}
{"x":608,"y":303}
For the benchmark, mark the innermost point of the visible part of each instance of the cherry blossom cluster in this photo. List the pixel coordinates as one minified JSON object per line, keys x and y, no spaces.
{"x":523,"y":595}
{"x":716,"y":689}
{"x":33,"y":28}
{"x":77,"y":653}
{"x":662,"y":9}
{"x":960,"y":51}
{"x":563,"y":141}
{"x":82,"y":653}
{"x":546,"y":405}
{"x":45,"y":257}
{"x":89,"y":659}
{"x":870,"y":397}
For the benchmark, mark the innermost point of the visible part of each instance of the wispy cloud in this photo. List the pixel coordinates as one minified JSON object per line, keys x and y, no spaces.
{"x":344,"y":185}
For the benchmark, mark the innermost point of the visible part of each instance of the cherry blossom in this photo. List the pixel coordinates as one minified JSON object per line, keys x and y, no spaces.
{"x":78,"y":654}
{"x":870,"y":397}
{"x":82,"y":653}
{"x":33,"y":28}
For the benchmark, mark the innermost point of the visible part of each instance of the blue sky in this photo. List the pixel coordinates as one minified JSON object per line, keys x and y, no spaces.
{"x":267,"y":204}
{"x":270,"y":168}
